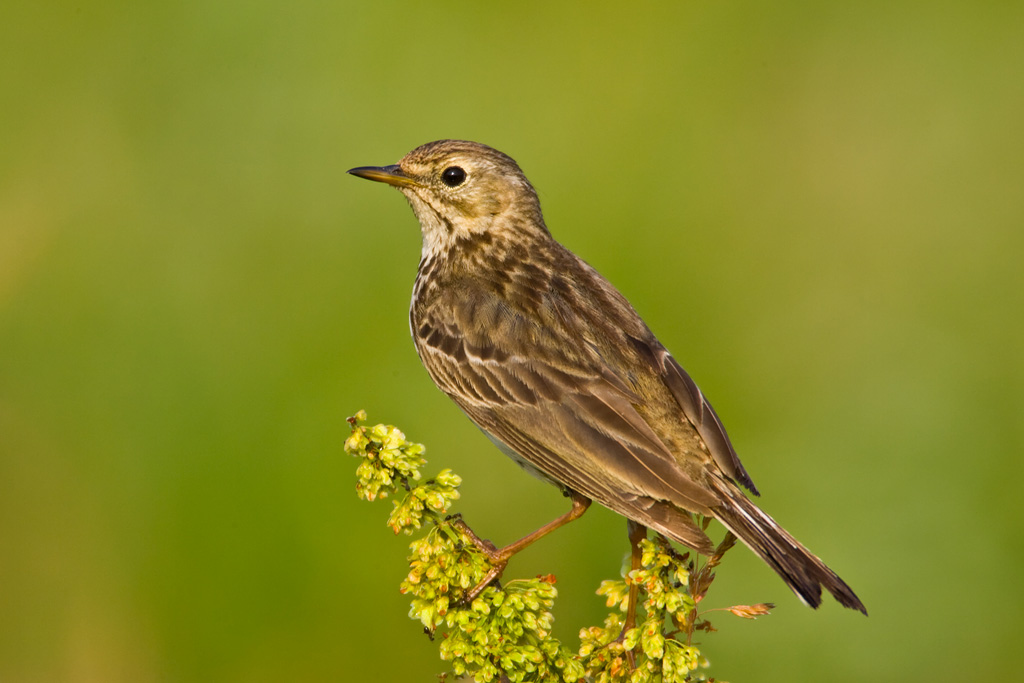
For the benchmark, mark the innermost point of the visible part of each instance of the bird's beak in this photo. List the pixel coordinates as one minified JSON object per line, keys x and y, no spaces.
{"x":392,"y":175}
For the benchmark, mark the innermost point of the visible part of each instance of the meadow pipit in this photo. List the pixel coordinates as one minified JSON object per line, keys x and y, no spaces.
{"x":556,"y":367}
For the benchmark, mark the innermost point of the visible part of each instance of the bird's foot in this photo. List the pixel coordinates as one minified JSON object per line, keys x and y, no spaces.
{"x":491,"y":577}
{"x":496,"y":557}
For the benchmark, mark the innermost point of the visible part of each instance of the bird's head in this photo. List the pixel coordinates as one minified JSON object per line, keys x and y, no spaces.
{"x":462,"y":191}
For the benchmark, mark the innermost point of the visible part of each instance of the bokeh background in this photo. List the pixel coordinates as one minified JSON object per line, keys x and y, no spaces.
{"x":817,"y":206}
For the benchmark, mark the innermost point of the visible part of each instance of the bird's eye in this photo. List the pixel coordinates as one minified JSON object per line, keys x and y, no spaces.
{"x":453,"y":176}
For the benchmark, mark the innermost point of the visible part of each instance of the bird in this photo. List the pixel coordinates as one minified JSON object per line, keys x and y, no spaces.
{"x":558,"y":369}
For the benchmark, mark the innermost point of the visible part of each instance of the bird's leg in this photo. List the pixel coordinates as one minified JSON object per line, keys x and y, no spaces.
{"x":637,"y":532}
{"x":499,"y":557}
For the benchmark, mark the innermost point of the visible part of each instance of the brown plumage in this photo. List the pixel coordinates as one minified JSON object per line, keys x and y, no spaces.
{"x":553,"y":363}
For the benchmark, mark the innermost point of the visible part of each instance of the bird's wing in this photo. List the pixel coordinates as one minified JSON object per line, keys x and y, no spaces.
{"x":550,"y":400}
{"x":699,"y":412}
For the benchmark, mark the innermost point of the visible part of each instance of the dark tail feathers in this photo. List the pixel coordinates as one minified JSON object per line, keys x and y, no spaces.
{"x":802,"y":571}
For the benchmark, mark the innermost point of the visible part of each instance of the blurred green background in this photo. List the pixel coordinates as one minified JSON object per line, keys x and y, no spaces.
{"x":817,"y":206}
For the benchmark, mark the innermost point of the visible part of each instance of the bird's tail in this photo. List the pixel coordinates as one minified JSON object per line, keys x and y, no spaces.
{"x":802,"y":571}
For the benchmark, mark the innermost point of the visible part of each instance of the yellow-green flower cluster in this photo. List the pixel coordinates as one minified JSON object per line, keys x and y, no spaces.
{"x":507,"y":632}
{"x":443,"y":568}
{"x":435,"y":495}
{"x":664,"y":577}
{"x":649,"y":652}
{"x":387,"y":458}
{"x":602,"y":653}
{"x":504,"y":631}
{"x":388,"y":461}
